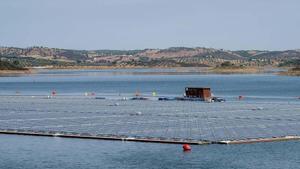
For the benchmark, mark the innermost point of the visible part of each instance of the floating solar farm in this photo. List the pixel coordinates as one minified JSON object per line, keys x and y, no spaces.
{"x":150,"y":120}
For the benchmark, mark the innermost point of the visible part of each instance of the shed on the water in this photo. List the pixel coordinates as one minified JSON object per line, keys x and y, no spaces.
{"x":198,"y":92}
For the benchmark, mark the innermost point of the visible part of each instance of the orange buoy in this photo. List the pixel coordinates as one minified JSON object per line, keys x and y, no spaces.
{"x":186,"y":147}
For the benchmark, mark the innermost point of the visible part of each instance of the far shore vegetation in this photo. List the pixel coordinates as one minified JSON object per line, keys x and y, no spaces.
{"x":293,"y":67}
{"x":292,"y":72}
{"x":14,"y":64}
{"x":228,"y":67}
{"x":12,"y":67}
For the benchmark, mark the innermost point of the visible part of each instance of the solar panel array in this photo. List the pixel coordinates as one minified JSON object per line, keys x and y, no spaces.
{"x":232,"y":120}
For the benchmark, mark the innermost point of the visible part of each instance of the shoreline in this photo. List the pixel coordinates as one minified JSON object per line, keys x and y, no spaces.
{"x":238,"y":70}
{"x":206,"y":70}
{"x":6,"y":72}
{"x":291,"y":72}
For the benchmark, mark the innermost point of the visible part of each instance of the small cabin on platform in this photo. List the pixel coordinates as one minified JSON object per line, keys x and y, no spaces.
{"x":198,"y":92}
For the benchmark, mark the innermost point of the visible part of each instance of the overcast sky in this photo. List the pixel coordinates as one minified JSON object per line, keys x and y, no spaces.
{"x":139,"y":24}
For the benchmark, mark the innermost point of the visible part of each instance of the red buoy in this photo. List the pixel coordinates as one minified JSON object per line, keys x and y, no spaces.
{"x":186,"y":147}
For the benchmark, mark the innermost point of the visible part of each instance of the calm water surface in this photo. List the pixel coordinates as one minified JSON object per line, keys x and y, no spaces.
{"x":41,"y":152}
{"x":164,"y":82}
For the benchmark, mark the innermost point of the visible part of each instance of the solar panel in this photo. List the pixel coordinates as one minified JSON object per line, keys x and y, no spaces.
{"x":149,"y":118}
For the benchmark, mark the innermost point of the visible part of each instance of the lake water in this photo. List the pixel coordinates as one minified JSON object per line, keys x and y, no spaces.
{"x":164,"y":82}
{"x":38,"y":152}
{"x":27,"y":152}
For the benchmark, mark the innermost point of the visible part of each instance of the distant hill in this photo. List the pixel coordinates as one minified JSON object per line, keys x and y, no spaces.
{"x":174,"y":56}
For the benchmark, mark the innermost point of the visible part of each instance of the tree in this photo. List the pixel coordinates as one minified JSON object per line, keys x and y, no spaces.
{"x":16,"y":62}
{"x":226,"y":64}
